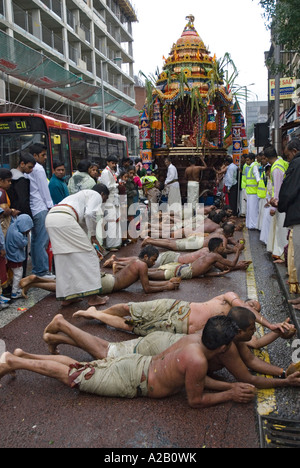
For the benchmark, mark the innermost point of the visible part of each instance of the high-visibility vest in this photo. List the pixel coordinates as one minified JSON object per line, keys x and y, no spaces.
{"x":252,"y":183}
{"x":148,"y":181}
{"x":282,"y":166}
{"x":244,"y":176}
{"x":262,"y":186}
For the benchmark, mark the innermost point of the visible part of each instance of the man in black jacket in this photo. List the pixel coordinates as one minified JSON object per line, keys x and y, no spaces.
{"x":19,"y":192}
{"x":289,"y":202}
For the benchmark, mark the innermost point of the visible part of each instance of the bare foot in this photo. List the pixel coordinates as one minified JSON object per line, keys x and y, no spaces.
{"x":4,"y":366}
{"x":87,"y":314}
{"x":19,"y":352}
{"x":175,"y":282}
{"x":52,"y":342}
{"x":98,"y":300}
{"x":110,"y":261}
{"x":53,"y":326}
{"x":27,"y":280}
{"x":25,"y":284}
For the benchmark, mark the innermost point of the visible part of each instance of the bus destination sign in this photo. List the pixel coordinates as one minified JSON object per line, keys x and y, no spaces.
{"x":13,"y":126}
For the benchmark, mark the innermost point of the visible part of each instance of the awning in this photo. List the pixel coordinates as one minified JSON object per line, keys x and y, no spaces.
{"x":26,"y":64}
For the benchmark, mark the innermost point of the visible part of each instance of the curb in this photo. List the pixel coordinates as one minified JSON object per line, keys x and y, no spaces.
{"x":281,"y":271}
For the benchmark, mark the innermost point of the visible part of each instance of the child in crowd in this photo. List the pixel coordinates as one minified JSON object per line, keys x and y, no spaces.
{"x":122,"y":180}
{"x":132,"y":194}
{"x":15,"y":244}
{"x":94,"y":171}
{"x":5,"y":183}
{"x":3,"y":272}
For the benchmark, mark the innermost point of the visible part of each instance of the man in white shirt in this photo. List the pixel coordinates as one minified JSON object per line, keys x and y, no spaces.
{"x":173,"y":187}
{"x":231,"y":184}
{"x":40,"y":204}
{"x":72,"y":229}
{"x":112,"y":206}
{"x":278,"y":233}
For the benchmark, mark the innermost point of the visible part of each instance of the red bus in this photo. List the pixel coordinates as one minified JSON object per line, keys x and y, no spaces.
{"x":65,"y":141}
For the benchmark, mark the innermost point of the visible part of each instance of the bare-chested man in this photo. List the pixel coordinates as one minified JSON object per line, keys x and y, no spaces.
{"x":170,"y":256}
{"x":173,"y":316}
{"x":153,"y":377}
{"x":239,"y":357}
{"x":136,"y":270}
{"x":192,"y":176}
{"x":172,"y":265}
{"x":196,"y":241}
{"x":202,"y":266}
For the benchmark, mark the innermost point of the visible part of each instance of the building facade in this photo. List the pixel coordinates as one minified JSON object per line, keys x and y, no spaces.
{"x":289,"y":98}
{"x":91,"y":39}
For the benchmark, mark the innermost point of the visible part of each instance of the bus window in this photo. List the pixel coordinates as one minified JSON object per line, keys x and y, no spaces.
{"x":60,"y":148}
{"x":103,"y":151}
{"x":12,"y":144}
{"x":113,"y":149}
{"x":78,"y":148}
{"x":93,"y":149}
{"x":122,"y":149}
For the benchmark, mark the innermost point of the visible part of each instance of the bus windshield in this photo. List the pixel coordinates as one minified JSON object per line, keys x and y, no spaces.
{"x":12,"y":144}
{"x":65,"y":142}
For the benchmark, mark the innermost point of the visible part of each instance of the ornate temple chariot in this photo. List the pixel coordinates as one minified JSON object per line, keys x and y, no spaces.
{"x":191,"y":112}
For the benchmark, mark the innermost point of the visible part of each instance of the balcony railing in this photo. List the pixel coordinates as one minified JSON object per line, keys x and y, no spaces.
{"x":2,"y":8}
{"x":24,"y":20}
{"x":71,"y":20}
{"x":53,"y":40}
{"x":54,"y":5}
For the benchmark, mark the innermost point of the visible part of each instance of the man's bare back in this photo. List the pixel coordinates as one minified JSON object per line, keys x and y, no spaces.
{"x":167,"y":372}
{"x":192,"y":173}
{"x":137,"y":269}
{"x":117,"y":315}
{"x":133,"y":271}
{"x":201,"y":312}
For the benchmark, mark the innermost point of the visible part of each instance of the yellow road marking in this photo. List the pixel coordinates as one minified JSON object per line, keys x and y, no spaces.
{"x":266,"y":399}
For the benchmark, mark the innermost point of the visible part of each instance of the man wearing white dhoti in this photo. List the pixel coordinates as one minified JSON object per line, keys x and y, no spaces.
{"x":266,"y":220}
{"x":192,"y":175}
{"x":173,"y":187}
{"x":71,"y":226}
{"x":108,"y":177}
{"x":278,"y":233}
{"x":253,"y":179}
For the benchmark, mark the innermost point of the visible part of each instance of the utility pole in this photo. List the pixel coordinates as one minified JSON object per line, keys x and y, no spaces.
{"x":277,"y":100}
{"x":277,"y":142}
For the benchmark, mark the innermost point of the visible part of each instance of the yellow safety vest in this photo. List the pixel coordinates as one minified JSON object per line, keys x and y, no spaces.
{"x":148,"y":181}
{"x":280,"y":164}
{"x":252,"y":184}
{"x":262,"y":188}
{"x":244,"y":176}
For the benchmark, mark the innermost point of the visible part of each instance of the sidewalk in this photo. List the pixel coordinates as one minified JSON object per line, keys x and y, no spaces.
{"x":19,"y":306}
